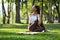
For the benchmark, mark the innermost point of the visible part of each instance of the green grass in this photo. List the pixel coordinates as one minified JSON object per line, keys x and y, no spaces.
{"x":8,"y":32}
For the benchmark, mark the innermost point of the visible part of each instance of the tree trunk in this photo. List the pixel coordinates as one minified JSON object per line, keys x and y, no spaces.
{"x":9,"y":11}
{"x":12,"y":13}
{"x":17,"y":11}
{"x":41,"y":11}
{"x":52,"y":16}
{"x":26,"y":12}
{"x":49,"y":15}
{"x":33,"y":2}
{"x":57,"y":8}
{"x":4,"y":13}
{"x":22,"y":3}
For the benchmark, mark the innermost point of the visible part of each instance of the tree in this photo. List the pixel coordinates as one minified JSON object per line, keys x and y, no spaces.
{"x":50,"y":14}
{"x":41,"y":11}
{"x":22,"y":3}
{"x":12,"y":10}
{"x":33,"y":2}
{"x":57,"y":8}
{"x":4,"y":12}
{"x":9,"y":11}
{"x":26,"y":10}
{"x":17,"y":2}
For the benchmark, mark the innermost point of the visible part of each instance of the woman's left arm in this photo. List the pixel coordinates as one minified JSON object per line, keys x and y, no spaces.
{"x":39,"y":20}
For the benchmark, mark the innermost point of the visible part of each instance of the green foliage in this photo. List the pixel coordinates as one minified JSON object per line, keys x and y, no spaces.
{"x":23,"y":8}
{"x":11,"y":1}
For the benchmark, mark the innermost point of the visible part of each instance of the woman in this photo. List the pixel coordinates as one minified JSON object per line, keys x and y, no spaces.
{"x":35,"y":24}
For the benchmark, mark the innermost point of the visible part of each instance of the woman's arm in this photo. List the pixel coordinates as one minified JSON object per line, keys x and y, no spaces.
{"x":39,"y":20}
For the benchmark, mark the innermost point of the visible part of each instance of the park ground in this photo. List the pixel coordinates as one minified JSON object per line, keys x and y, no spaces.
{"x":10,"y":32}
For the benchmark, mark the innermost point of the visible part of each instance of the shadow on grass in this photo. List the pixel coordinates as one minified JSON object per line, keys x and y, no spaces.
{"x":13,"y":38}
{"x":25,"y":26}
{"x":53,"y":26}
{"x":21,"y":26}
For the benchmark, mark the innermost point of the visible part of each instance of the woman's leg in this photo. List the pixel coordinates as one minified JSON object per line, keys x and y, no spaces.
{"x":32,"y":27}
{"x":40,"y":28}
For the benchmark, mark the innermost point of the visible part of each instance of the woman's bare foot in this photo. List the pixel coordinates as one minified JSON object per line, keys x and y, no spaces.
{"x":46,"y":30}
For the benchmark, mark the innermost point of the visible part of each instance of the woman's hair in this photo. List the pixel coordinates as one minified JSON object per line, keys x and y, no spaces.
{"x":38,"y":9}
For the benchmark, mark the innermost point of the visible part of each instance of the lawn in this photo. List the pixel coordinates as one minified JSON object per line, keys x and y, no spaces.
{"x":9,"y":32}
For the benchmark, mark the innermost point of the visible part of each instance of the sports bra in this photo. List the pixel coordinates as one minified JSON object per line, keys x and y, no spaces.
{"x":32,"y":18}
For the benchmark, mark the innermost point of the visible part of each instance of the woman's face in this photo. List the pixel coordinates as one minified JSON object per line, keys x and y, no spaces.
{"x":34,"y":9}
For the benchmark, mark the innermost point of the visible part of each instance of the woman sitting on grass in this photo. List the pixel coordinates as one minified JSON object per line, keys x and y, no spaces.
{"x":35,"y":24}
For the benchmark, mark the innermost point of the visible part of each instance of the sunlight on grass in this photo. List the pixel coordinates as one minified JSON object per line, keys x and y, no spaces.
{"x":55,"y":30}
{"x":12,"y":30}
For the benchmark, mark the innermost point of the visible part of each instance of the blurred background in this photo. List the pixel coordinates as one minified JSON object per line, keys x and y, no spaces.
{"x":17,"y":11}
